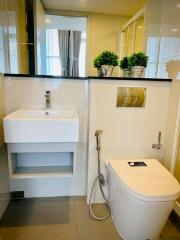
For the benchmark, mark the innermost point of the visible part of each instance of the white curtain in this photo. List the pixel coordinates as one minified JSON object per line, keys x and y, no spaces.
{"x":76,"y":51}
{"x":64,"y":51}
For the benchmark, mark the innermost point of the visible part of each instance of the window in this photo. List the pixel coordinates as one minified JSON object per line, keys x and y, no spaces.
{"x":53,"y":61}
{"x":82,"y":56}
{"x":13,"y":58}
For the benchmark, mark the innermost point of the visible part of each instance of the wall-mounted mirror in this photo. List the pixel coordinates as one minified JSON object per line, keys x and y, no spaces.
{"x":32,"y":42}
{"x":38,"y":38}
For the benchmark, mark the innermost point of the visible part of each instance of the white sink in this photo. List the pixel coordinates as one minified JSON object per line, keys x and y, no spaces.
{"x":29,"y":126}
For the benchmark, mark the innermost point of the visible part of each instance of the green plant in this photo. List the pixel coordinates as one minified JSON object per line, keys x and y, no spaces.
{"x":106,"y":58}
{"x":97,"y":62}
{"x":124,"y":63}
{"x":138,"y":59}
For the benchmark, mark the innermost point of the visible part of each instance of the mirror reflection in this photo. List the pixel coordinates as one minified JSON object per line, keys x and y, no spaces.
{"x":41,"y":44}
{"x":44,"y":37}
{"x":61,"y":46}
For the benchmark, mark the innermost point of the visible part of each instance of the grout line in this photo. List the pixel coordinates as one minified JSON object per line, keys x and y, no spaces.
{"x":78,"y":217}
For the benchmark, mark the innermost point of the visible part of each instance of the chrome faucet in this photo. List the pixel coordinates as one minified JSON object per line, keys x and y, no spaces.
{"x":48,"y":99}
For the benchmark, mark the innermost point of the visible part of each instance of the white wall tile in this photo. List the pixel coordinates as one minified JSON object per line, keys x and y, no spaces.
{"x":66,"y":94}
{"x":128,"y":133}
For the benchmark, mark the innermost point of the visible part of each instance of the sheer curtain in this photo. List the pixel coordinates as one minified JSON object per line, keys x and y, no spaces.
{"x":64,"y":51}
{"x":69,"y":52}
{"x":76,"y":51}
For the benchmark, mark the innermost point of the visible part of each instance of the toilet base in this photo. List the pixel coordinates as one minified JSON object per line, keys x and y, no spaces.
{"x":122,"y":234}
{"x":136,"y":219}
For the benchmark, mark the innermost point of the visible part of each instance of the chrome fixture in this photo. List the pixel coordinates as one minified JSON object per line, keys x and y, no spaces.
{"x":48,"y":99}
{"x":158,"y":145}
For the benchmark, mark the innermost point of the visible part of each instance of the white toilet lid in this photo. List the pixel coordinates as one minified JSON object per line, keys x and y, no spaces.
{"x":149,"y":183}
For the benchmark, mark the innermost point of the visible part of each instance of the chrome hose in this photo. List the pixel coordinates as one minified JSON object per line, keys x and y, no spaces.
{"x":99,"y":179}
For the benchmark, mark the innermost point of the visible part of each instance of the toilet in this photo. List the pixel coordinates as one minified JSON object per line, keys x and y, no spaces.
{"x":142,"y":195}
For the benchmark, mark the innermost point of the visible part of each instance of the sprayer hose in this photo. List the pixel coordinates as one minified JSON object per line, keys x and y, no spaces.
{"x":101,"y":181}
{"x":91,"y":204}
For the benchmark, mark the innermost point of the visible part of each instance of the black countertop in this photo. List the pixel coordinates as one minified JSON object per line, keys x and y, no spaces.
{"x":87,"y":78}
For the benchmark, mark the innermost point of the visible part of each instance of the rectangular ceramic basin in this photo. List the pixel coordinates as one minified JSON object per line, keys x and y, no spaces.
{"x":29,"y":126}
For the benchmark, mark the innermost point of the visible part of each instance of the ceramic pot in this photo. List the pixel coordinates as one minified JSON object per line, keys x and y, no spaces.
{"x":127,"y":73}
{"x":105,"y":71}
{"x":138,"y":71}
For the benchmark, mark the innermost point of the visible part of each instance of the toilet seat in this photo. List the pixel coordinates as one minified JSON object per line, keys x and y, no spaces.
{"x":147,"y":183}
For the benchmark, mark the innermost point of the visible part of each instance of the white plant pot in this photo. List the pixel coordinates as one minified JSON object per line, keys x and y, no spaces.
{"x":127,"y":73}
{"x":138,"y":71}
{"x":106,"y":70}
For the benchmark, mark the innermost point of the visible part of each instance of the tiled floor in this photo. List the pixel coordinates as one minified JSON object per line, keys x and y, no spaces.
{"x":61,"y":219}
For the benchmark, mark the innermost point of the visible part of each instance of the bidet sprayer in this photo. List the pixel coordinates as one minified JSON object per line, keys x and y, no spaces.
{"x":98,"y":132}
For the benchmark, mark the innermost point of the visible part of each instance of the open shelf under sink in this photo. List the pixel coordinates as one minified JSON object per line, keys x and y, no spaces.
{"x":36,"y":165}
{"x":42,"y":171}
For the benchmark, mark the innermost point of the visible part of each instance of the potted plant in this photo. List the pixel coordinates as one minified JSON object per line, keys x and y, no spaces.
{"x":105,"y":63}
{"x":138,"y":63}
{"x":97,"y":64}
{"x":124,"y":65}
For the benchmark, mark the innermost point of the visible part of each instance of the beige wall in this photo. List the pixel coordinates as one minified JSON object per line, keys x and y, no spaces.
{"x":21,"y":36}
{"x":2,"y":109}
{"x":127,"y":133}
{"x":171,"y":127}
{"x":177,"y":167}
{"x":4,"y":177}
{"x":139,"y":35}
{"x":103,"y":34}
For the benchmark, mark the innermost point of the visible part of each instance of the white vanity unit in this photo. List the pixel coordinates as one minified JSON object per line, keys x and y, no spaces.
{"x":41,"y":143}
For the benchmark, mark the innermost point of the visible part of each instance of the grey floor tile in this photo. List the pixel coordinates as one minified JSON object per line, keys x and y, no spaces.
{"x":96,"y":230}
{"x":39,"y":211}
{"x":53,"y":232}
{"x":41,"y":219}
{"x":62,"y":218}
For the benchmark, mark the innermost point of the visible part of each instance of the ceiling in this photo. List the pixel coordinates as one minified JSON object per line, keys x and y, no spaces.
{"x":115,"y":7}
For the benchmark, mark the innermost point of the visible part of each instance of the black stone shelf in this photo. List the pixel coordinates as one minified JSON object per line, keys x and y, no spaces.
{"x":88,"y":78}
{"x":130,"y":78}
{"x":42,"y":76}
